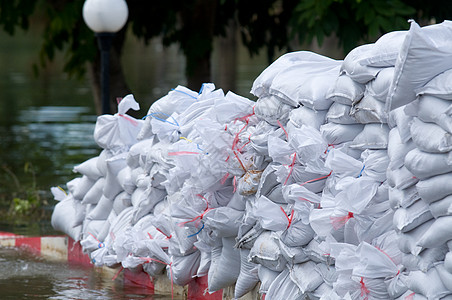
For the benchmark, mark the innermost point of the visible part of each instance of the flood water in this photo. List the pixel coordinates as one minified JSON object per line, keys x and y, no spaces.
{"x":46,"y":127}
{"x":24,"y":276}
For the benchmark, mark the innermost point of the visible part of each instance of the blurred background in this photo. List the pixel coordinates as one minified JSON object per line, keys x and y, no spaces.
{"x":50,"y":70}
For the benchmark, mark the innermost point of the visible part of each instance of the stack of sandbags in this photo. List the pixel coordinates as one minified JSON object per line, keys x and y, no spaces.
{"x":333,"y":185}
{"x":419,"y":157}
{"x":87,"y":208}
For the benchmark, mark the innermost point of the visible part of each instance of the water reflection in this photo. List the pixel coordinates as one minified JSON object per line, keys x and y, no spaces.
{"x":52,"y":139}
{"x":25,"y":276}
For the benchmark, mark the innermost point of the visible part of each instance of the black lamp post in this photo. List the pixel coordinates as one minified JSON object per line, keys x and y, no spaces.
{"x":105,"y":17}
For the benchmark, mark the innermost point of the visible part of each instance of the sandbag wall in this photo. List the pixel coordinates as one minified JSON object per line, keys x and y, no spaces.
{"x":334,"y":184}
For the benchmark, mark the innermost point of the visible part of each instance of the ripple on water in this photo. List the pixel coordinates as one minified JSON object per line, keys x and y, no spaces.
{"x":25,"y":276}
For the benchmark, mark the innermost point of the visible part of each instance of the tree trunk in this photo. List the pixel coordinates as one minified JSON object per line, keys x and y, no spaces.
{"x":226,"y":58}
{"x":118,"y":85}
{"x":198,"y":20}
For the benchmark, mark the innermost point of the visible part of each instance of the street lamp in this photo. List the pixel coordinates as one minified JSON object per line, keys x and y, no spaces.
{"x":105,"y":17}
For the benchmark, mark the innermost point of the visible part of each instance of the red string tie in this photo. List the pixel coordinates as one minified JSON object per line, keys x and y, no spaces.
{"x":339,"y":222}
{"x":316,"y":179}
{"x":282,"y":127}
{"x":181,"y":153}
{"x":364,"y":290}
{"x":291,"y":166}
{"x":167,"y":236}
{"x":289,"y":219}
{"x":134,"y":122}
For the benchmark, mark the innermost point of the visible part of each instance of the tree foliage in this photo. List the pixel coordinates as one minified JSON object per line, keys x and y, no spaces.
{"x":357,"y":21}
{"x":193,"y":24}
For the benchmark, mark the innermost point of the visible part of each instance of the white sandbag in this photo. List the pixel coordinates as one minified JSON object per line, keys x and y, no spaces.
{"x":340,"y":113}
{"x":407,"y":240}
{"x":299,"y":233}
{"x":327,"y":272}
{"x":225,"y":270}
{"x":101,"y":162}
{"x":402,"y":197}
{"x":102,"y":209}
{"x":259,"y":139}
{"x":205,"y":260}
{"x":428,"y":284}
{"x":248,"y":183}
{"x":355,"y":193}
{"x":441,"y":207}
{"x":137,"y":151}
{"x":445,"y":276}
{"x":448,"y":262}
{"x":177,"y":100}
{"x":118,"y":132}
{"x":62,"y":218}
{"x":381,"y":225}
{"x":424,"y":54}
{"x":58,"y":193}
{"x":438,"y":233}
{"x":125,"y":180}
{"x":431,"y":109}
{"x":306,"y":83}
{"x":88,"y":168}
{"x":312,"y":93}
{"x":397,"y":149}
{"x":406,"y":219}
{"x":266,"y":252}
{"x":373,"y":136}
{"x":401,"y":178}
{"x":427,"y":259}
{"x":183,"y":268}
{"x":424,"y":164}
{"x":224,"y":221}
{"x":345,"y":90}
{"x":248,"y":277}
{"x":305,"y":276}
{"x":92,"y":227}
{"x":412,"y":296}
{"x":375,"y":164}
{"x":142,"y":207}
{"x":95,"y":193}
{"x":271,"y":109}
{"x":79,"y":186}
{"x":337,"y":133}
{"x":435,"y":188}
{"x":283,"y":288}
{"x":369,"y":110}
{"x":356,"y":71}
{"x":306,"y":116}
{"x":115,"y":164}
{"x":293,"y":255}
{"x":232,"y":107}
{"x":266,"y":277}
{"x":384,"y":51}
{"x":379,"y":87}
{"x":322,"y":291}
{"x":398,"y":117}
{"x":439,"y":86}
{"x":106,"y":228}
{"x":262,"y":83}
{"x":374,"y":262}
{"x":317,"y":251}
